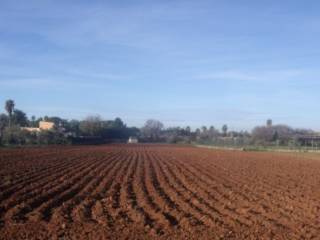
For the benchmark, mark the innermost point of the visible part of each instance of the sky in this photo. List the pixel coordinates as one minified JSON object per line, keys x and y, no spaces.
{"x":185,"y":63}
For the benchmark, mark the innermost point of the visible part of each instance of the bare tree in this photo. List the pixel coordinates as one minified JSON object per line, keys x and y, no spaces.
{"x":269,"y":123}
{"x":152,"y":129}
{"x":269,"y":134}
{"x":213,"y":132}
{"x":262,"y":135}
{"x":91,"y":126}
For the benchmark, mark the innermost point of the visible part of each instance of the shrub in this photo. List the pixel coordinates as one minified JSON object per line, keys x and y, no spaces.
{"x":13,"y":136}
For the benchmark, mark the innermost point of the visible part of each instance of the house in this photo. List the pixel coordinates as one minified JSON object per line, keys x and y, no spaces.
{"x":133,"y":140}
{"x":31,"y":129}
{"x":43,"y":126}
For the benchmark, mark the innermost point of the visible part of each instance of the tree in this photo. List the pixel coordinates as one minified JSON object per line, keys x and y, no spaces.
{"x":118,"y":123}
{"x":213,"y":132}
{"x":19,"y":118}
{"x":284,"y":133}
{"x":9,"y":106}
{"x":33,"y":121}
{"x":204,"y":133}
{"x":269,"y":123}
{"x":152,"y":129}
{"x":275,"y":136}
{"x":13,"y":135}
{"x":198,"y":132}
{"x":277,"y":133}
{"x":91,"y":126}
{"x":224,"y":129}
{"x":115,"y":130}
{"x":52,"y":137}
{"x":262,"y":135}
{"x":4,"y":120}
{"x":188,"y":131}
{"x":204,"y":130}
{"x":73,"y":126}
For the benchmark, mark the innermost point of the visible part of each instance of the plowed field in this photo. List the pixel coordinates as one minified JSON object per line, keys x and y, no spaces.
{"x":151,"y":192}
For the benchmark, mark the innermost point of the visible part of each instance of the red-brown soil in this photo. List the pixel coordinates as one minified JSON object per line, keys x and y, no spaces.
{"x":157,"y":192}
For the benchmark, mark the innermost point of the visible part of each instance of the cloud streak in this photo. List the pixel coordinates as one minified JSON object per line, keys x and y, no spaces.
{"x":254,"y":76}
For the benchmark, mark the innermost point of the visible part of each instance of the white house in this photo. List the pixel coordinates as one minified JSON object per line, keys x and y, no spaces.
{"x":133,"y":140}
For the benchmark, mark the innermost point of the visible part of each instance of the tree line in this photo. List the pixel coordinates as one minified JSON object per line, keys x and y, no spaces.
{"x":94,"y":130}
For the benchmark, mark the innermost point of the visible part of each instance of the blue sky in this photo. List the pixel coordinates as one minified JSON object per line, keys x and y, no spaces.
{"x":182,"y":62}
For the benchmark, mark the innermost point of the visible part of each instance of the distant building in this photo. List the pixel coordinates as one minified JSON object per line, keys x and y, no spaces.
{"x":31,"y":129}
{"x":133,"y":140}
{"x":311,"y":140}
{"x":43,"y":125}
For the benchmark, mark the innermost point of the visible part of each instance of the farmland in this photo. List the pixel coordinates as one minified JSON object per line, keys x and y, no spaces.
{"x":157,"y":191}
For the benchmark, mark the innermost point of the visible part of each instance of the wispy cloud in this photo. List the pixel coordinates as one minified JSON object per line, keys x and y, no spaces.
{"x":137,"y":26}
{"x":92,"y":75}
{"x":256,"y":76}
{"x":48,"y":84}
{"x":27,"y":83}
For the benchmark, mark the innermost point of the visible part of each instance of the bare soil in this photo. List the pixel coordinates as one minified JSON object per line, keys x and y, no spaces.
{"x":157,"y":192}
